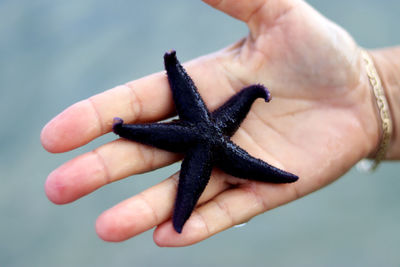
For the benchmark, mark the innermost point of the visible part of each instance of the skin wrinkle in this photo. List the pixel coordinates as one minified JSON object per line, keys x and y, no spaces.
{"x":106,"y":171}
{"x":233,"y":182}
{"x":199,"y":215}
{"x":226,"y":75}
{"x":242,"y":59}
{"x":333,"y":105}
{"x":250,"y":188}
{"x":142,"y":197}
{"x":98,"y":116}
{"x":355,"y":111}
{"x":297,"y":192}
{"x":134,"y":99}
{"x":273,"y":129}
{"x":266,"y":28}
{"x":225,"y":184}
{"x":230,"y":76}
{"x":153,"y":159}
{"x":224,"y":208}
{"x":257,"y":66}
{"x":175,"y":180}
{"x":292,"y":113}
{"x":366,"y":132}
{"x":141,"y":154}
{"x":235,"y":46}
{"x":238,"y":49}
{"x":249,"y":137}
{"x":254,"y":12}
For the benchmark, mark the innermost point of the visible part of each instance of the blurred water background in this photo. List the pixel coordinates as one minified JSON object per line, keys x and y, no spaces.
{"x":55,"y":53}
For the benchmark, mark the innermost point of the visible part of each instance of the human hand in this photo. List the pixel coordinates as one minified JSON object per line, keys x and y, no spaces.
{"x":317,"y":125}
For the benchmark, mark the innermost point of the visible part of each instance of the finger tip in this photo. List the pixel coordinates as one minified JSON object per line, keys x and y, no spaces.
{"x":74,"y":179}
{"x":165,"y":235}
{"x":74,"y":127}
{"x":52,"y":139}
{"x":47,"y":140}
{"x":109,"y":229}
{"x":102,"y":229}
{"x":54,"y":189}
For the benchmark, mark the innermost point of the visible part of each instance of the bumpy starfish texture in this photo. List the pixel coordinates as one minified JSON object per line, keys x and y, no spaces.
{"x":203,"y":138}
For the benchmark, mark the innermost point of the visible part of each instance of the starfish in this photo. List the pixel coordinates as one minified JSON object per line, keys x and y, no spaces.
{"x":204,"y":139}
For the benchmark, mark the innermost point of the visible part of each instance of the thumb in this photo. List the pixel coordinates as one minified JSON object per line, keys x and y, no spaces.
{"x":254,"y":12}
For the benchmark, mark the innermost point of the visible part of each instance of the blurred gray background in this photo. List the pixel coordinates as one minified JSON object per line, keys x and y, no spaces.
{"x":55,"y":53}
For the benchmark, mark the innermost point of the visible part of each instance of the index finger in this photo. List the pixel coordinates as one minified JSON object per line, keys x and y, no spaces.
{"x":146,"y":99}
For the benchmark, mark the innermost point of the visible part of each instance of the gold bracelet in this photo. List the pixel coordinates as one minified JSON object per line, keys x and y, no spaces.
{"x":383,"y":107}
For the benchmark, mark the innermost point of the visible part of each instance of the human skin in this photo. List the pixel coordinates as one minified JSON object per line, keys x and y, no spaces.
{"x":321,"y":121}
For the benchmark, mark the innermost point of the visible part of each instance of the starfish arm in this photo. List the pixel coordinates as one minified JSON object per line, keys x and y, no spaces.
{"x":194,"y":176}
{"x":171,"y":136}
{"x":237,"y":162}
{"x":188,"y":102}
{"x":229,"y":116}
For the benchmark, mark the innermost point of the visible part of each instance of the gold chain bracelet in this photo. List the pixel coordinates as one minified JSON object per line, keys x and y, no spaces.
{"x":384,"y":114}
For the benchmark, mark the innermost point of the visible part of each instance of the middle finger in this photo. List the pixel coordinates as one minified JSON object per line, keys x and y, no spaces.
{"x":108,"y":163}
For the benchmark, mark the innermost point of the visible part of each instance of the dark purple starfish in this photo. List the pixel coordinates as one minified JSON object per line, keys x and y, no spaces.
{"x":203,"y":137}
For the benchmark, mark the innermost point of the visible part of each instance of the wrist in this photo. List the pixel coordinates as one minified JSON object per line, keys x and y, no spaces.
{"x":388,"y":67}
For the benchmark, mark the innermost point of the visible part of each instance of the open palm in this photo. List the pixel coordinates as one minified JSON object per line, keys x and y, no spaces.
{"x":314,"y":126}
